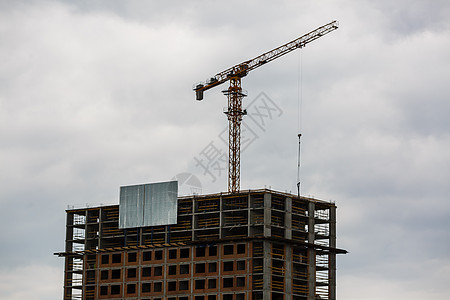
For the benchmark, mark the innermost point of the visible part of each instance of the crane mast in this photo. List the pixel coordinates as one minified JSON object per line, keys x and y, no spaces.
{"x":235,"y":94}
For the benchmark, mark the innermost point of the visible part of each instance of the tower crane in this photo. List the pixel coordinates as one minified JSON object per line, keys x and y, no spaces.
{"x":235,"y":94}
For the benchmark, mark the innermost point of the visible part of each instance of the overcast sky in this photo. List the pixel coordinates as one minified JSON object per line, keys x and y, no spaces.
{"x":95,"y":95}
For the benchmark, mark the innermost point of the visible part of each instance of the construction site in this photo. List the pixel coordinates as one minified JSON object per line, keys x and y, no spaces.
{"x":256,"y":244}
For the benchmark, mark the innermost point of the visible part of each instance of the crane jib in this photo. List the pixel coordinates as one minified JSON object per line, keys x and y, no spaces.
{"x":242,"y":69}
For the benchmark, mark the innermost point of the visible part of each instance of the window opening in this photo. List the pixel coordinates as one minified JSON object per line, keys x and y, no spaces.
{"x":115,"y":289}
{"x":200,"y":284}
{"x":157,"y":271}
{"x":147,"y":255}
{"x":184,"y":285}
{"x":105,"y":259}
{"x":240,"y":296}
{"x":213,"y":250}
{"x":116,"y":258}
{"x":157,"y":286}
{"x":132,"y":273}
{"x":228,"y":282}
{"x":172,"y":286}
{"x":240,"y":248}
{"x":184,"y":269}
{"x":228,"y":297}
{"x":104,"y":275}
{"x":200,"y":251}
{"x":200,"y":268}
{"x":228,"y":249}
{"x":158,"y":255}
{"x":132,"y":257}
{"x":184,"y":253}
{"x":146,"y":272}
{"x":146,"y":287}
{"x":115,"y":274}
{"x":240,"y":265}
{"x":103,"y":290}
{"x":240,"y":281}
{"x":173,"y":270}
{"x":131,"y":288}
{"x":212,"y":267}
{"x":228,"y":266}
{"x":212,"y":283}
{"x":172,"y":253}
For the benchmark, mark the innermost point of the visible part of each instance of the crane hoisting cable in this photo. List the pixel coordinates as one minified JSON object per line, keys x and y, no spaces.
{"x":235,"y":94}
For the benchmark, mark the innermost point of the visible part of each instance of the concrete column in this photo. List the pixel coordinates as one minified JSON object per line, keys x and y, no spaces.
{"x":220,"y":217}
{"x":193,"y":220}
{"x":68,"y":260}
{"x":69,"y":232}
{"x":267,"y":215}
{"x":165,"y":271}
{"x":311,"y":253}
{"x":288,"y":219}
{"x":288,"y":271}
{"x":248,"y":267}
{"x":192,"y":267}
{"x":168,"y":233}
{"x":267,"y":276}
{"x":100,"y":228}
{"x":249,"y":216}
{"x":68,"y":278}
{"x":84,"y":258}
{"x":219,"y":266}
{"x":332,"y":255}
{"x":124,"y":272}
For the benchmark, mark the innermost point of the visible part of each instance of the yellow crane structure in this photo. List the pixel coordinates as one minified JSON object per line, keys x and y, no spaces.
{"x":235,"y":94}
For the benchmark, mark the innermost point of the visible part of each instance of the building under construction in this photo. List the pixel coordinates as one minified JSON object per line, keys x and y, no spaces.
{"x":255,"y":244}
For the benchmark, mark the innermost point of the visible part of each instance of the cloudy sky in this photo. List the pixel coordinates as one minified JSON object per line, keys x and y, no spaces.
{"x":97,"y":94}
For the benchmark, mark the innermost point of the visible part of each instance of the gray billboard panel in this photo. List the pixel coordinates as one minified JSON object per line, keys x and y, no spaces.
{"x":130,"y":206}
{"x":151,"y":204}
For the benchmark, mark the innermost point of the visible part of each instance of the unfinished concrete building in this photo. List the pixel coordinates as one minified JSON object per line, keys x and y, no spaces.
{"x":255,"y":244}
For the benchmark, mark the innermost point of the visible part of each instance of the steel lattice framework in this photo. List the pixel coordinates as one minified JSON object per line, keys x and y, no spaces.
{"x":235,"y":94}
